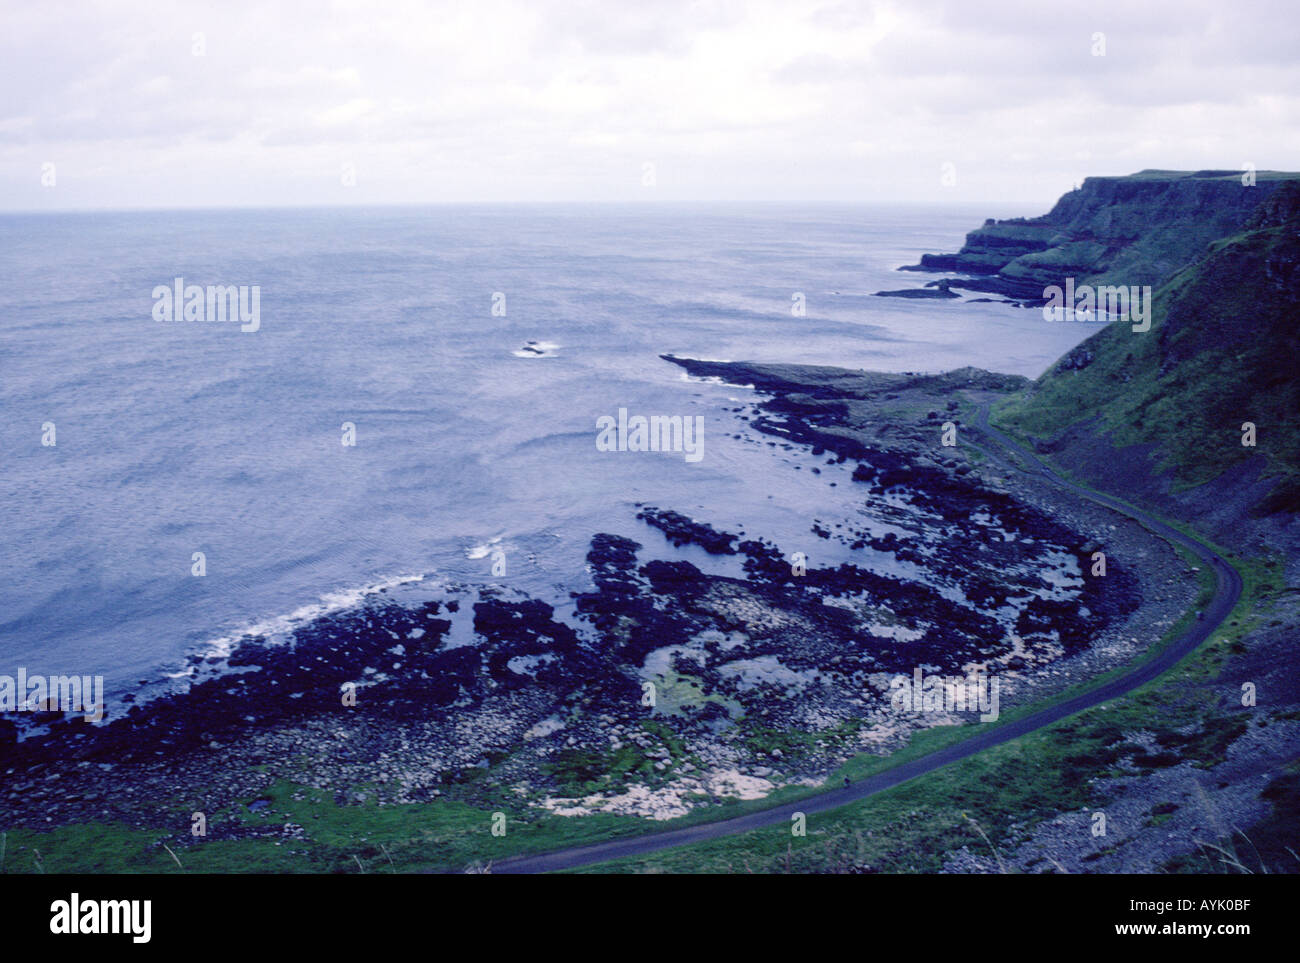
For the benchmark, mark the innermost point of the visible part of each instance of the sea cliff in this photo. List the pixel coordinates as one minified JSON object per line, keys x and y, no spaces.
{"x":1132,"y":230}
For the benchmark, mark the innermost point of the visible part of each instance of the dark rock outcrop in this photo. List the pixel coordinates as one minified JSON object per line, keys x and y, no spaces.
{"x":940,"y":290}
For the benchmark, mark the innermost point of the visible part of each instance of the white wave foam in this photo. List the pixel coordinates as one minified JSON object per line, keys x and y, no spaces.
{"x":277,"y":628}
{"x":537,"y":349}
{"x":484,"y":550}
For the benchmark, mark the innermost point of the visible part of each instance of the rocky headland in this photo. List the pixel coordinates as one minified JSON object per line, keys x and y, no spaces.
{"x":1133,"y":230}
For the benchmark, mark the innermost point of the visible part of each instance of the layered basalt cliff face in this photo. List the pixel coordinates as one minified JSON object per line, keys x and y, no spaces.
{"x":1133,"y":230}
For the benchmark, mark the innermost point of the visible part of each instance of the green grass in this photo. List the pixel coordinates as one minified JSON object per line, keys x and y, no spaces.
{"x":340,"y":838}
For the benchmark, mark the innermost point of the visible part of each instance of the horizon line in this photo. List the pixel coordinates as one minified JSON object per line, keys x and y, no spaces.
{"x":678,"y":202}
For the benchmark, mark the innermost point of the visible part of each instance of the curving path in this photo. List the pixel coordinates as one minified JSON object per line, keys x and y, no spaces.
{"x":1228,"y":589}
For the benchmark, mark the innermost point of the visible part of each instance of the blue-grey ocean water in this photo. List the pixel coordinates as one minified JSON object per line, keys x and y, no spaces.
{"x":177,"y":438}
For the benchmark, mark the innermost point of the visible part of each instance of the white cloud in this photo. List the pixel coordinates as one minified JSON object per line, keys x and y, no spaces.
{"x":501,"y":100}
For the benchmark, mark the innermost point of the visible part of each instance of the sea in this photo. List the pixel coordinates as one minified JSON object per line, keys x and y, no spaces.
{"x":416,"y":412}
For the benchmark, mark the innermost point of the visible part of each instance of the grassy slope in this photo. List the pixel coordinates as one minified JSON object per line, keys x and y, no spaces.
{"x":1221,"y":351}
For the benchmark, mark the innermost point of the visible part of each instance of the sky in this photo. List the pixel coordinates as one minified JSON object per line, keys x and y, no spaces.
{"x":148,"y":105}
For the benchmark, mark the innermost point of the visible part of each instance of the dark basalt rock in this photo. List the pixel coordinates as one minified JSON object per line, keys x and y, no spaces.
{"x":674,"y":578}
{"x":681,"y":530}
{"x":939,"y":290}
{"x":288,"y":681}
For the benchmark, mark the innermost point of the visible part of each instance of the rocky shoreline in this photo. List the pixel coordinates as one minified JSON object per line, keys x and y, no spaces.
{"x":769,"y":680}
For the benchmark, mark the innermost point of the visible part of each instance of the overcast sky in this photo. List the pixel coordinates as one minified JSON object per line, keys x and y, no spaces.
{"x":188,"y":104}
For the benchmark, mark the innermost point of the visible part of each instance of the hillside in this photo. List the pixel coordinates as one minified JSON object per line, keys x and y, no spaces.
{"x":1221,"y":351}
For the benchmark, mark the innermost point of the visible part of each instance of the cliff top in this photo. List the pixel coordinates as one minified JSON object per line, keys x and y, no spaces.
{"x":1154,"y":174}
